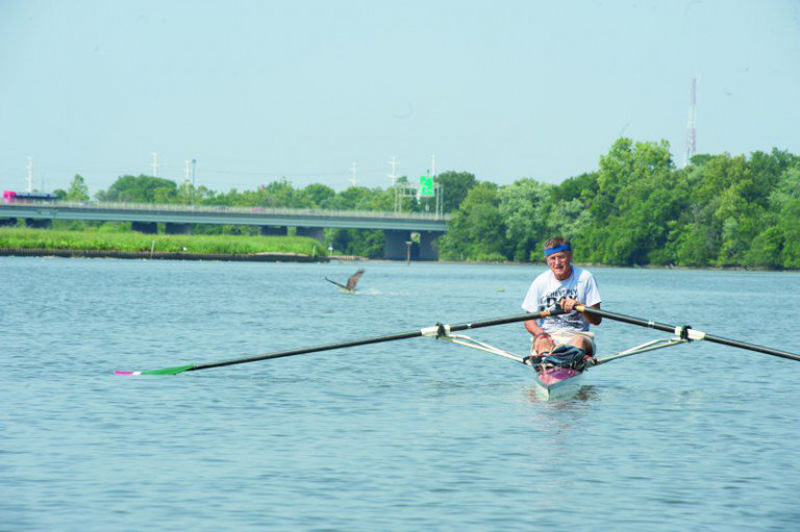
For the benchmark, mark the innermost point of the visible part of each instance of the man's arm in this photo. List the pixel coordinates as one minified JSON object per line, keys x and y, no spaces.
{"x":542,"y":342}
{"x":594,"y":319}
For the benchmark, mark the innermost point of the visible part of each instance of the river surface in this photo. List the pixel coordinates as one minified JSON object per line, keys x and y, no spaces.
{"x":415,"y":434}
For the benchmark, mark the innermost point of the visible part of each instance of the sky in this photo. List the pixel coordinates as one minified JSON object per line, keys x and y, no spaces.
{"x":331,"y":91}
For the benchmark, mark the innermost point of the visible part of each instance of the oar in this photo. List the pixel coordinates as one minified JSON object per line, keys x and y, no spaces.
{"x":435,"y":331}
{"x":686,"y":332}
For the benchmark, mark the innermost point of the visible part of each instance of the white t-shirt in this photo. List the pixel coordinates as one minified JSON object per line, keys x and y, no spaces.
{"x":546,"y":291}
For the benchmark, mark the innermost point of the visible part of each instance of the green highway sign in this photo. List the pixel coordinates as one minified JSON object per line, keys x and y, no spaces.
{"x":425,"y":186}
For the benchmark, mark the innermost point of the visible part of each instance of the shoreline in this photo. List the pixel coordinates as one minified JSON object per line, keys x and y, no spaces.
{"x":147,"y":255}
{"x":296,"y":257}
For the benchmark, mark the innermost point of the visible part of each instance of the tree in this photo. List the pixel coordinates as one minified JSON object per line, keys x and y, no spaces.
{"x":368,"y":243}
{"x":455,"y":186}
{"x":319,"y":195}
{"x":477,"y":231}
{"x":78,"y":191}
{"x":636,"y":198}
{"x":140,"y":189}
{"x":525,"y":207}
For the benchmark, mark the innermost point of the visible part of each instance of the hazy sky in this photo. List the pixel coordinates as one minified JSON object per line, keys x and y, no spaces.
{"x":258,"y":90}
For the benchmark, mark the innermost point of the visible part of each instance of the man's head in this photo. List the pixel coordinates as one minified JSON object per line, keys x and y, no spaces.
{"x":558,"y":255}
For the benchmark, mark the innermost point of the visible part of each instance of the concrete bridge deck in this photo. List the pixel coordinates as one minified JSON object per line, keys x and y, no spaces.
{"x":397,"y":226}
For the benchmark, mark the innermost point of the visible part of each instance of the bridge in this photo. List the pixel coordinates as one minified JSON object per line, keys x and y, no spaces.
{"x":273,"y":221}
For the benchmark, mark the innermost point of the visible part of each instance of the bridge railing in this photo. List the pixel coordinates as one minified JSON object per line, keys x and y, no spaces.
{"x":378,"y":215}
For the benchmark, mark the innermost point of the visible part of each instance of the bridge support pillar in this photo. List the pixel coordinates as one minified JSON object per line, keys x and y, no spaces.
{"x":177,"y":229}
{"x":314,"y":232}
{"x":150,"y":228}
{"x":395,"y":248}
{"x":427,"y":247}
{"x":38,"y":223}
{"x":269,"y":230}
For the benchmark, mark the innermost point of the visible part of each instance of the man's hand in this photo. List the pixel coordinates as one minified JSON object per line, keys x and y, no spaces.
{"x":543,"y":343}
{"x":568,"y":304}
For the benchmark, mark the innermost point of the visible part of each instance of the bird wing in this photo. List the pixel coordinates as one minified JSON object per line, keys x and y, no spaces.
{"x":353,"y":280}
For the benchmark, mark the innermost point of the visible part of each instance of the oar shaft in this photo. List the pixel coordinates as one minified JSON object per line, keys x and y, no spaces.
{"x":751,"y":347}
{"x":693,"y":335}
{"x":304,"y":350}
{"x":376,"y":339}
{"x":428,"y":331}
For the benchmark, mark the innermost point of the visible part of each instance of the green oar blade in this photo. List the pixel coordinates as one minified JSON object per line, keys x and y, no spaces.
{"x":164,"y":371}
{"x":169,"y":371}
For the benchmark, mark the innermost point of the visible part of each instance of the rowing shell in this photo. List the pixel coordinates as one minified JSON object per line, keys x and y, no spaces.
{"x":550,"y":383}
{"x":561,"y":383}
{"x":554,"y":383}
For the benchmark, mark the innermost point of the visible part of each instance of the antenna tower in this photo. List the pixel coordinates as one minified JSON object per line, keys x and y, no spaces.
{"x":393,"y":175}
{"x":30,"y":174}
{"x":194,"y":173}
{"x":691,"y":124}
{"x":398,"y":197}
{"x":353,"y":179}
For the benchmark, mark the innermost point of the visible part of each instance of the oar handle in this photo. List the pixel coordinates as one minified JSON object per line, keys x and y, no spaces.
{"x":687,"y":332}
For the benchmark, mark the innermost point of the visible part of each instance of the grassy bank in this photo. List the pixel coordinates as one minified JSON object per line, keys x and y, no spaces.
{"x":131,"y":241}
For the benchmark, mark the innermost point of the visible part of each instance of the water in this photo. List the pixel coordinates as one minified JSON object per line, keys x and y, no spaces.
{"x":407,"y":435}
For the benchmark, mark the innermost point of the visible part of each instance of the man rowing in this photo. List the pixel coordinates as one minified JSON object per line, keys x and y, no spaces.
{"x":565,"y":286}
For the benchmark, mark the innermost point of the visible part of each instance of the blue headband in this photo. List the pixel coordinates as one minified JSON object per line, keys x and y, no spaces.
{"x":557,"y":249}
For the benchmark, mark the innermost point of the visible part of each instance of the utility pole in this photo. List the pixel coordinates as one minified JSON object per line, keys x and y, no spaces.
{"x":30,"y":174}
{"x":353,"y":179}
{"x":194,"y":173}
{"x":155,"y":164}
{"x":393,"y":175}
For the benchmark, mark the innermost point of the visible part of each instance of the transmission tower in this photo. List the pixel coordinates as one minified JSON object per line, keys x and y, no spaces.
{"x":691,"y":124}
{"x":30,"y":174}
{"x":393,"y":176}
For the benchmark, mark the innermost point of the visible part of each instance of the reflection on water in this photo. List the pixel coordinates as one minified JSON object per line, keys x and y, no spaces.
{"x":583,"y":393}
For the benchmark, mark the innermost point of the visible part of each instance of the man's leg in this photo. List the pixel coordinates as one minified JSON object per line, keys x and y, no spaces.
{"x":581,"y":342}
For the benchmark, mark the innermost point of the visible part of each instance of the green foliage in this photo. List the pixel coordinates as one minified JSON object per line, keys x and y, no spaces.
{"x":478,"y":228}
{"x":455,"y":187}
{"x":140,"y":189}
{"x":636,"y":197}
{"x":525,"y":207}
{"x":360,"y":242}
{"x":26,"y":238}
{"x":78,"y":191}
{"x":319,"y":195}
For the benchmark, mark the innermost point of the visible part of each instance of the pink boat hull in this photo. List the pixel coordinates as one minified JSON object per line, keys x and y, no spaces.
{"x":554,"y":381}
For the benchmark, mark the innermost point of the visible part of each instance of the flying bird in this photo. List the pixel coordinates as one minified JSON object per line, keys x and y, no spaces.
{"x":350,"y":287}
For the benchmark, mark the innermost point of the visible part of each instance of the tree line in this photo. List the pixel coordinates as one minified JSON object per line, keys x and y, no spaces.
{"x":636,"y":209}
